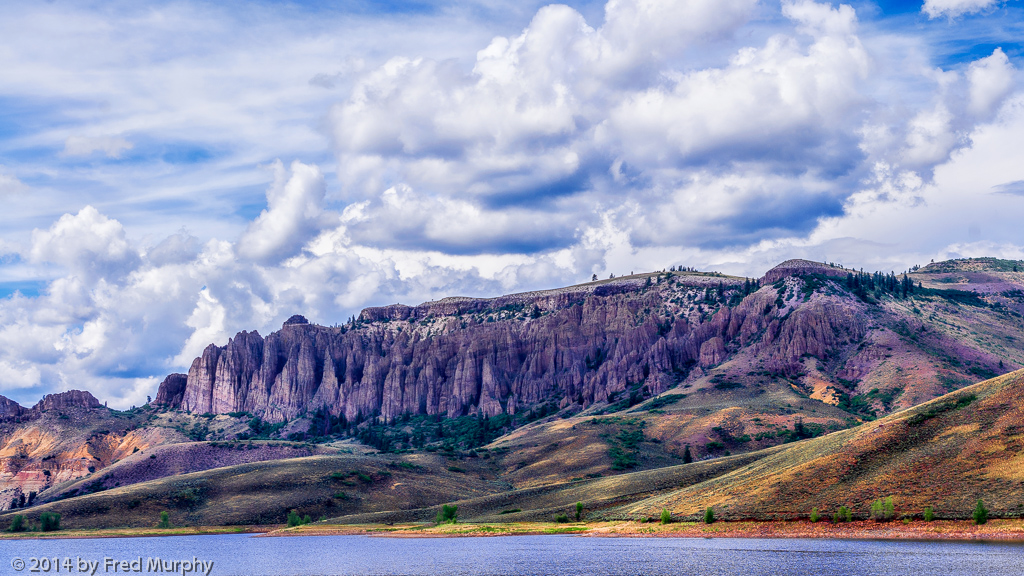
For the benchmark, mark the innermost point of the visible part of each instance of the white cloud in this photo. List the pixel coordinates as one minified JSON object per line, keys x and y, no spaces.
{"x":88,"y":244}
{"x":723,"y":135}
{"x":294,"y":214}
{"x":954,"y":8}
{"x":990,"y":79}
{"x":110,"y":146}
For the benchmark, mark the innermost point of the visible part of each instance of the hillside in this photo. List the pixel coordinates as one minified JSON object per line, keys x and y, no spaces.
{"x":946,"y":454}
{"x":569,"y":385}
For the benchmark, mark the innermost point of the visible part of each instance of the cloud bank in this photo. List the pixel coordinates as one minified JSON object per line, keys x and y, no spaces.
{"x":724,"y":134}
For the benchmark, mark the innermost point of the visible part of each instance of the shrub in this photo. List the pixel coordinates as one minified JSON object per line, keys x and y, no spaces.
{"x":709,"y":516}
{"x":165,"y":520}
{"x":448,"y":514}
{"x":844,"y":514}
{"x":980,"y":513}
{"x":929,"y":514}
{"x":561,"y":518}
{"x":17,"y":524}
{"x":294,"y":519}
{"x":814,"y":515}
{"x":579,"y":510}
{"x":666,"y":516}
{"x":49,"y":521}
{"x":883,"y":510}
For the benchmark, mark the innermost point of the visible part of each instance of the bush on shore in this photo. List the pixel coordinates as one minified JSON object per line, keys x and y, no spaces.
{"x":980,"y":513}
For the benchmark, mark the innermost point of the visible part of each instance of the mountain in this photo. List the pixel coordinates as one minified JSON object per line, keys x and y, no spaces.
{"x":866,"y":343}
{"x":600,"y":379}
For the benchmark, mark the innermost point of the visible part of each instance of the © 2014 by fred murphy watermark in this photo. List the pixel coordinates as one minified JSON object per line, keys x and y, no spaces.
{"x":108,"y":565}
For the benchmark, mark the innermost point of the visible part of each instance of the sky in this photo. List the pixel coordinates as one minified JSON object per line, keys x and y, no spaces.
{"x":174,"y":172}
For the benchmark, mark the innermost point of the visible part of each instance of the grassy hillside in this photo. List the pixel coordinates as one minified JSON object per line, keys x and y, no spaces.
{"x":946,"y":454}
{"x":264,"y":492}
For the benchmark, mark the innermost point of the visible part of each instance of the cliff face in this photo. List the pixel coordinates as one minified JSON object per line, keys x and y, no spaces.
{"x":580,"y":345}
{"x":67,"y":400}
{"x":588,"y":344}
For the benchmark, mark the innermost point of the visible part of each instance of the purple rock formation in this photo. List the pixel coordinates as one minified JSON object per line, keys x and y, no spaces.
{"x":66,"y":401}
{"x":458,"y":356}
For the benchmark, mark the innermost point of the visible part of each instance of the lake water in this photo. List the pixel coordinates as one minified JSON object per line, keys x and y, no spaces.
{"x":245,"y":555}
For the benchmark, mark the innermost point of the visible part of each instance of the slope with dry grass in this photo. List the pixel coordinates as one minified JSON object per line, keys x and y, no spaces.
{"x":946,"y":454}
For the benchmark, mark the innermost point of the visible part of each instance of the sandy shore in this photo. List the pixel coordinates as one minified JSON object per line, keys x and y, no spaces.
{"x":1003,"y":530}
{"x":137,"y":532}
{"x":995,"y":530}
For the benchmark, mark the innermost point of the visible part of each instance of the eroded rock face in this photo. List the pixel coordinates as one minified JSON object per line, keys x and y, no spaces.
{"x":475,"y":356}
{"x":172,"y":390}
{"x":797,"y":267}
{"x":10,"y":409}
{"x":67,"y":400}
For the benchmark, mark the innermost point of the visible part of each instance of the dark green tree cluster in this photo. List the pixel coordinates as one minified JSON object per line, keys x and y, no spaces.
{"x":450,"y":514}
{"x":295,"y":520}
{"x":49,"y":521}
{"x":21,"y":502}
{"x":864,"y":284}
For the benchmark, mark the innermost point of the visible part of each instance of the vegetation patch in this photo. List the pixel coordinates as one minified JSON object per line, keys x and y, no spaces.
{"x":941,"y":408}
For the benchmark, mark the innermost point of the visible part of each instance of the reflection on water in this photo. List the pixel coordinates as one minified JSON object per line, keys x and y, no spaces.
{"x":519,"y":555}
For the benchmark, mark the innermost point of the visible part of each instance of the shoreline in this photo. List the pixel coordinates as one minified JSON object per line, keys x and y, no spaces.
{"x":1008,"y":530}
{"x":96,"y":533}
{"x":996,"y":530}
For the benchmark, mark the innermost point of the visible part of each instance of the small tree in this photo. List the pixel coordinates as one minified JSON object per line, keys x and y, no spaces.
{"x":294,"y":519}
{"x":814,"y":515}
{"x":929,"y":514}
{"x":17,"y":524}
{"x":883,"y":509}
{"x":687,"y":456}
{"x":49,"y":521}
{"x":594,"y":278}
{"x":579,"y":511}
{"x":165,"y":520}
{"x":709,"y":516}
{"x":666,"y":516}
{"x":448,"y":514}
{"x":980,"y":513}
{"x":561,"y":518}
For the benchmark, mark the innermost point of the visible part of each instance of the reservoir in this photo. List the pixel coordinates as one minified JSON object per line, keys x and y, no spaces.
{"x":246,"y":555}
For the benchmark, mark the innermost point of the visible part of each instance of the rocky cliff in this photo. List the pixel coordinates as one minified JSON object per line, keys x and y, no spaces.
{"x":575,"y":346}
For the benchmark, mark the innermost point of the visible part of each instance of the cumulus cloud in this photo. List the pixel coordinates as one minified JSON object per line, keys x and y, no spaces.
{"x":110,"y":146}
{"x":990,"y":80}
{"x":954,"y":8}
{"x":88,"y":244}
{"x":294,"y":214}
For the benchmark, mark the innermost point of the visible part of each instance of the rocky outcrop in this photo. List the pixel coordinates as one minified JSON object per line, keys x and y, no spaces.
{"x":172,"y":390}
{"x":10,"y":409}
{"x":797,"y":267}
{"x":62,"y":401}
{"x":72,"y":399}
{"x":492,"y":356}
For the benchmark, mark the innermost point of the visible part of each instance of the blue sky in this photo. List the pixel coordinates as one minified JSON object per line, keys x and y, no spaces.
{"x":174,"y":172}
